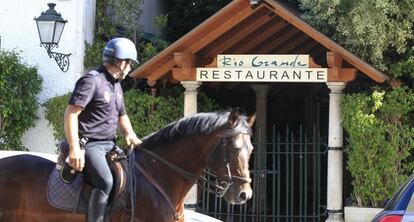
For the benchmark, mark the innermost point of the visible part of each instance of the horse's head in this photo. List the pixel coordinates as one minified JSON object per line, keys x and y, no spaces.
{"x":230,"y":160}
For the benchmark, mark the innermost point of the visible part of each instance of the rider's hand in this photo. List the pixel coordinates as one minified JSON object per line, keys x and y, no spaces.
{"x":77,"y":157}
{"x":132,"y":139}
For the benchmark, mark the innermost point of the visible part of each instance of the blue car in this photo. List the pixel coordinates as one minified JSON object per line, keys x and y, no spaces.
{"x":400,"y":208}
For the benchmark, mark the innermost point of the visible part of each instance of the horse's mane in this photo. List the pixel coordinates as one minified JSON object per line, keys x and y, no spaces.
{"x":200,"y":124}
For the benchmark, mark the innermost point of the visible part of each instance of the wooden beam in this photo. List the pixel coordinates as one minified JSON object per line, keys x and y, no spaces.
{"x":233,"y":7}
{"x":212,"y":34}
{"x":162,"y":70}
{"x":236,"y":37}
{"x":286,"y":48}
{"x":277,"y":40}
{"x":334,"y":59}
{"x":213,"y":64}
{"x":256,"y":39}
{"x":341,"y":74}
{"x":336,"y":73}
{"x":186,"y":59}
{"x":184,"y":74}
{"x":305,"y":48}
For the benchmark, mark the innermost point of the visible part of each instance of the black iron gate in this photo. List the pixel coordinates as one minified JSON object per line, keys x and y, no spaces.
{"x":292,"y":187}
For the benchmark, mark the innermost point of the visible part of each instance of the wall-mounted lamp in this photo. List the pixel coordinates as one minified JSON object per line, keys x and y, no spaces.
{"x":50,"y":25}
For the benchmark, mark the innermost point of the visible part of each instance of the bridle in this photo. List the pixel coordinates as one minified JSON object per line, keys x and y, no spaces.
{"x":216,"y":187}
{"x":219,"y":188}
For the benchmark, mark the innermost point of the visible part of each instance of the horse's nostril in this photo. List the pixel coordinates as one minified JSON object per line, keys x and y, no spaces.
{"x":242,"y":196}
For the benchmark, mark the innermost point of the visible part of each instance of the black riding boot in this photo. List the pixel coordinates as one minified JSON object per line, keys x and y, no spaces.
{"x":97,"y":206}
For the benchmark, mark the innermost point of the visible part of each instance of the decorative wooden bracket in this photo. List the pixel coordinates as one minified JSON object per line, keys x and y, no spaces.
{"x":336,"y":73}
{"x":188,"y":60}
{"x":151,"y":82}
{"x":184,"y":74}
{"x":186,"y":65}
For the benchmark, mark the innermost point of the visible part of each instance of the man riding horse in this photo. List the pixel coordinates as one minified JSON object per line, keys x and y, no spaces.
{"x":95,"y":110}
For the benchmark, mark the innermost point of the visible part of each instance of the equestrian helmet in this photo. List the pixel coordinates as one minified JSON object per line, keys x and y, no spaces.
{"x":121,"y":48}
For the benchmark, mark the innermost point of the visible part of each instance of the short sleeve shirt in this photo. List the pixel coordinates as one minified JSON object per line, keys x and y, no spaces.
{"x":101,"y":98}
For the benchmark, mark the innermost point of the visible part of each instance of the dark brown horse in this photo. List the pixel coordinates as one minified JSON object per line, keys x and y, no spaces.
{"x":167,"y":163}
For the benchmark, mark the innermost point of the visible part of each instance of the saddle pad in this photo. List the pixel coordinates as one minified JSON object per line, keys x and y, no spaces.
{"x":66,"y":196}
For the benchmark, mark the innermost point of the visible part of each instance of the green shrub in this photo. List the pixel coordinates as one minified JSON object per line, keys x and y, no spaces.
{"x":55,"y":111}
{"x":138,"y":105}
{"x":93,"y":54}
{"x":168,"y":108}
{"x":19,"y":86}
{"x":380,"y":142}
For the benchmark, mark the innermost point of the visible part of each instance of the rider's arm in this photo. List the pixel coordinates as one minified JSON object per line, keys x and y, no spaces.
{"x":76,"y":157}
{"x":125,"y":127}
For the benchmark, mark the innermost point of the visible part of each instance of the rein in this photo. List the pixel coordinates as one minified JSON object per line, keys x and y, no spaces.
{"x":212,"y":187}
{"x":159,"y":188}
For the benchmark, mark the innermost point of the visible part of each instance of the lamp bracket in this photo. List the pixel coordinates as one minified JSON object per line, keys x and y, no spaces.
{"x":61,"y":59}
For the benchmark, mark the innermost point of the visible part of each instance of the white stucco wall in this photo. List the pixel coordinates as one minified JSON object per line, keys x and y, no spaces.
{"x":18,"y":31}
{"x":150,"y":9}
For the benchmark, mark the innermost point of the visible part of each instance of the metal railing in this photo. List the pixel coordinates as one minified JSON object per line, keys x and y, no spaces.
{"x":292,"y":188}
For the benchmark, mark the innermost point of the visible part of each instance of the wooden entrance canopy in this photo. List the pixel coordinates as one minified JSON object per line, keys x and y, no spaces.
{"x":240,"y":28}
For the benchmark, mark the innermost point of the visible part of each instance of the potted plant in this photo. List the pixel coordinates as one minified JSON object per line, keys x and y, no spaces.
{"x":379,"y":145}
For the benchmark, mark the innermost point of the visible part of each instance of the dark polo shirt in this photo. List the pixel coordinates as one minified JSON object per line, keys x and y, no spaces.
{"x":102,"y":101}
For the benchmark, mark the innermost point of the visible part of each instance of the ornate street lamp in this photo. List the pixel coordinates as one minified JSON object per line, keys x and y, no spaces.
{"x":50,"y":25}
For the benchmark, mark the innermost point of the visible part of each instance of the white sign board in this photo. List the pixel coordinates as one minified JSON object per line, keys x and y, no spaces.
{"x":263,"y":61}
{"x":262,"y":68}
{"x":262,"y":75}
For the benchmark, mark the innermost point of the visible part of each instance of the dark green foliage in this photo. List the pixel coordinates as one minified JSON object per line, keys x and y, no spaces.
{"x":19,"y":86}
{"x":55,"y":111}
{"x":147,"y":50}
{"x":139,"y":105}
{"x":110,"y":17}
{"x":186,"y":15}
{"x":93,"y":54}
{"x":104,"y":31}
{"x":380,"y":142}
{"x":375,"y":30}
{"x":404,"y":66}
{"x":379,"y":125}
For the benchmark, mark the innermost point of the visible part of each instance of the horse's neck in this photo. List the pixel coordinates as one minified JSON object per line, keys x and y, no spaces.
{"x":190,"y":154}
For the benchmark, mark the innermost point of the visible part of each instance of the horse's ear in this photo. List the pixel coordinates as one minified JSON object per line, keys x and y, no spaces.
{"x":234,"y":117}
{"x":251,"y":119}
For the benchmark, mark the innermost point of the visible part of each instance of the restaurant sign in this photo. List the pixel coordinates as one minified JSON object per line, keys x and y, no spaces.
{"x":262,"y":68}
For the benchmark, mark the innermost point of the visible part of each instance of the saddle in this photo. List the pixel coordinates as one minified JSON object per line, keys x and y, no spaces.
{"x":74,"y":196}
